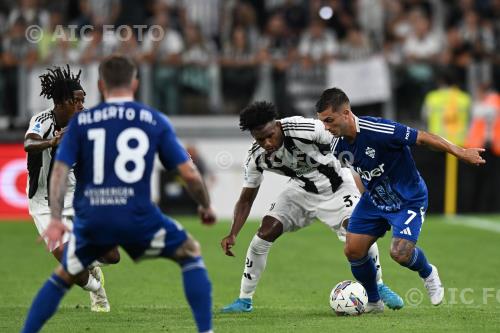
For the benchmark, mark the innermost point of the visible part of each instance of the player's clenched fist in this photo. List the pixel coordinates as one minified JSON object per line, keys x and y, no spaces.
{"x":207,"y":215}
{"x":227,"y":243}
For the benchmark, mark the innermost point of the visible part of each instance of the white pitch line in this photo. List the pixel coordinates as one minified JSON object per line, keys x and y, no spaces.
{"x":474,"y":222}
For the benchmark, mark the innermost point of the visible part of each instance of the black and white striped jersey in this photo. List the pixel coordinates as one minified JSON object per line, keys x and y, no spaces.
{"x":40,"y":166}
{"x":305,"y":157}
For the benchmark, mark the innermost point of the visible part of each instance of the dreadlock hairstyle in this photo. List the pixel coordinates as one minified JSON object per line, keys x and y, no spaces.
{"x":59,"y":84}
{"x":256,"y":115}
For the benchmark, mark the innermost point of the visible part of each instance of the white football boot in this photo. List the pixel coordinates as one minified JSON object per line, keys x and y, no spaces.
{"x":434,"y":287}
{"x":98,"y":299}
{"x":377,"y":307}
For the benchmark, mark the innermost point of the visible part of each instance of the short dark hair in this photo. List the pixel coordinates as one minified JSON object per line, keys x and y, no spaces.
{"x":117,"y":71}
{"x":59,"y":84}
{"x":333,"y":97}
{"x":256,"y":115}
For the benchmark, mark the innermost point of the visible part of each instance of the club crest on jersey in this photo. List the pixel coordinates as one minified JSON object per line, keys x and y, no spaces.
{"x":370,"y":152}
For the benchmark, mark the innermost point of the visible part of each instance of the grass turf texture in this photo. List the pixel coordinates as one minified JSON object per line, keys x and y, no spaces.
{"x":292,"y":295}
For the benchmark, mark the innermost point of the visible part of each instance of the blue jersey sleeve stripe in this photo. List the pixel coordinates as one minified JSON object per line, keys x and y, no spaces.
{"x":376,"y":129}
{"x":381,"y":125}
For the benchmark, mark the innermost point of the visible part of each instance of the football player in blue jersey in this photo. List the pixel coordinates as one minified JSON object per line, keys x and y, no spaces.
{"x":395,"y":196}
{"x":114,"y":146}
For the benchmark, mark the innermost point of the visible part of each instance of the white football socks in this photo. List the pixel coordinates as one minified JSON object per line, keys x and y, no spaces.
{"x":254,"y":265}
{"x":92,"y":285}
{"x":373,"y":254}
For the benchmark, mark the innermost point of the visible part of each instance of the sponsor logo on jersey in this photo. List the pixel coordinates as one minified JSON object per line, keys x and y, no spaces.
{"x":370,"y":152}
{"x":37,"y":127}
{"x":369,"y":175}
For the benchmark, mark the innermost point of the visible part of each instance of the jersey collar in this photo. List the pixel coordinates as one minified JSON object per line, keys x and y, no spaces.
{"x":119,"y":99}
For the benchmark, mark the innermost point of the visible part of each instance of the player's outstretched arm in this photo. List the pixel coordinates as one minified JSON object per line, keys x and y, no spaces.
{"x":198,"y":191}
{"x":58,"y":187}
{"x":34,"y":143}
{"x":468,"y":155}
{"x":241,"y":212}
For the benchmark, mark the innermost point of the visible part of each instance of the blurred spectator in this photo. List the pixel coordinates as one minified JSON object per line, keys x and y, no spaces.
{"x":277,"y":47}
{"x":97,"y":44}
{"x":423,"y":44}
{"x":50,"y":35}
{"x":163,"y":48}
{"x":495,"y":13}
{"x":317,"y":45}
{"x":30,"y":12}
{"x":356,"y":45}
{"x":341,"y":15}
{"x":478,"y":34}
{"x":371,"y":19}
{"x":397,"y":25}
{"x":206,"y":14}
{"x":132,"y":12}
{"x":196,"y":83}
{"x":239,"y":71}
{"x":243,"y":16}
{"x":447,"y":110}
{"x":63,"y":51}
{"x":456,"y":55}
{"x":17,"y":52}
{"x":485,"y":123}
{"x":127,"y":43}
{"x":99,"y":12}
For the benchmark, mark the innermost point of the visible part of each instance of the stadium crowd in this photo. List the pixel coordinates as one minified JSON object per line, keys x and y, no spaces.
{"x":203,"y":52}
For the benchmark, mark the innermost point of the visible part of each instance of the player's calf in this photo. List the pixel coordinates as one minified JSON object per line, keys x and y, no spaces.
{"x":197,"y":285}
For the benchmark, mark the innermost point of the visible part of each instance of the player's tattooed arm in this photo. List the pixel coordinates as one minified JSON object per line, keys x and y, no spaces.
{"x":33,"y":143}
{"x":435,"y":142}
{"x":58,"y":188}
{"x":198,"y":191}
{"x":194,"y":183}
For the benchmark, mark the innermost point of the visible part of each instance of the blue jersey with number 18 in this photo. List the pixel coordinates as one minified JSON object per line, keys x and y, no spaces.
{"x":113,"y":147}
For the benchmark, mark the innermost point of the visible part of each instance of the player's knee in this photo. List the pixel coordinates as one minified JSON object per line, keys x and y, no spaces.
{"x":401,"y":256}
{"x":189,"y":249}
{"x":270,"y":229}
{"x":353,"y":253}
{"x":402,"y":250}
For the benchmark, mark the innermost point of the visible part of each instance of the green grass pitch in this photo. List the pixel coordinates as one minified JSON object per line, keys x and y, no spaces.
{"x":292,"y":295}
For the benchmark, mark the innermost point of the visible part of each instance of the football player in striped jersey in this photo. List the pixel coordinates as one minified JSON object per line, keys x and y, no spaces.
{"x":298,"y":148}
{"x":40,"y":142}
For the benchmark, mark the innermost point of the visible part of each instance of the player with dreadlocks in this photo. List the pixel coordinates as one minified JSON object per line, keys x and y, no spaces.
{"x":40,"y":142}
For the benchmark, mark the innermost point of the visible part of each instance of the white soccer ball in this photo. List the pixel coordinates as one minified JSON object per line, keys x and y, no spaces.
{"x":348,"y":298}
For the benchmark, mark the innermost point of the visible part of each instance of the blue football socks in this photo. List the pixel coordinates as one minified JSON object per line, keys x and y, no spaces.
{"x":365,"y":272}
{"x":419,"y":263}
{"x":45,"y":303}
{"x":198,"y":291}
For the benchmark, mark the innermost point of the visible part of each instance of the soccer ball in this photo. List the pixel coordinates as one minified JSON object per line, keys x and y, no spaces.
{"x":348,"y":298}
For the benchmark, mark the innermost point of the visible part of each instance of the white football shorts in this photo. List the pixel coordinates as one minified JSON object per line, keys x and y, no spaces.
{"x":296,"y":208}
